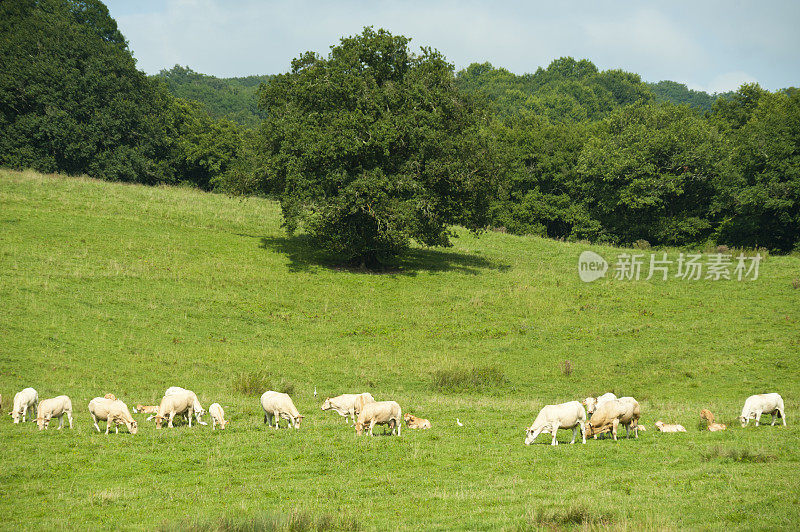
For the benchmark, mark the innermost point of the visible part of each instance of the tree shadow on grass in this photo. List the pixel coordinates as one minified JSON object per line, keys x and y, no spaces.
{"x":303,"y":255}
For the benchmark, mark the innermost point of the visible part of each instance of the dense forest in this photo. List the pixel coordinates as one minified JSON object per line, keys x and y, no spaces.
{"x":375,"y":145}
{"x":231,"y":98}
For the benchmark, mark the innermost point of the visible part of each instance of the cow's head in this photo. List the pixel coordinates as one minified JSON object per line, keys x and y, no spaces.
{"x":327,"y":404}
{"x":359,"y":428}
{"x":744,"y":419}
{"x":159,"y":420}
{"x":408,"y":418}
{"x":43,"y":422}
{"x":297,"y":421}
{"x":590,"y":403}
{"x":133,"y":427}
{"x":528,"y":436}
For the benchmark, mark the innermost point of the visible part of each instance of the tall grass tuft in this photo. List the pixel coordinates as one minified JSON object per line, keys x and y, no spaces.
{"x":737,"y":455}
{"x":461,"y":379}
{"x":560,"y":518}
{"x":254,"y":383}
{"x":296,"y":521}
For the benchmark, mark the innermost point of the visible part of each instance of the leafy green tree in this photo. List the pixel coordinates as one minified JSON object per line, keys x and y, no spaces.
{"x":71,"y":99}
{"x":372,"y":147}
{"x":759,"y":193}
{"x":679,"y":93}
{"x":648,"y":173}
{"x":204,"y":148}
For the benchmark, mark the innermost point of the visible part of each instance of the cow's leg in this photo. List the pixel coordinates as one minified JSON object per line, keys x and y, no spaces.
{"x":190,"y":412}
{"x":758,"y":418}
{"x":371,"y":426}
{"x":399,"y":424}
{"x":783,"y":417}
{"x":171,"y":418}
{"x":69,"y":418}
{"x":108,"y":424}
{"x":554,"y":428}
{"x":277,"y":417}
{"x":773,"y":418}
{"x":636,"y":430}
{"x":61,"y":421}
{"x":95,"y":423}
{"x":574,"y":434}
{"x":582,"y":425}
{"x":614,"y":426}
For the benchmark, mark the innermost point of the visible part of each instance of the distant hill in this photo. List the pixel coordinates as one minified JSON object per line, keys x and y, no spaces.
{"x":568,"y":90}
{"x":232,"y":98}
{"x":679,"y":93}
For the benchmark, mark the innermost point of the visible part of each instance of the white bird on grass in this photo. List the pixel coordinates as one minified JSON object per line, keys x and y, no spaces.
{"x":459,"y":423}
{"x":315,"y":391}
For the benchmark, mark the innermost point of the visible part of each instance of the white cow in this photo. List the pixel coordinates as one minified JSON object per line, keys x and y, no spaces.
{"x":196,"y":406}
{"x":763,"y":403}
{"x":24,"y":401}
{"x":278,"y":405}
{"x":553,"y":417}
{"x":380,"y":413}
{"x":55,"y":407}
{"x":112,"y":411}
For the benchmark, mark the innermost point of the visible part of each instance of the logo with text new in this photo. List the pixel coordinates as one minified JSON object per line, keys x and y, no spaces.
{"x":591,"y":266}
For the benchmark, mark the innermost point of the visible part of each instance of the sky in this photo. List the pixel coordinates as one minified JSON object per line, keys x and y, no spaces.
{"x":713,"y":46}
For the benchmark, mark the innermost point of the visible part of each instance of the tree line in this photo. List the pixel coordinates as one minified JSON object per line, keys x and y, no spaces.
{"x":375,"y":146}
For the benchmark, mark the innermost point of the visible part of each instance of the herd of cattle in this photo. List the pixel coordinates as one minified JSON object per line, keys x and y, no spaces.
{"x":605,"y":413}
{"x":364,"y":410}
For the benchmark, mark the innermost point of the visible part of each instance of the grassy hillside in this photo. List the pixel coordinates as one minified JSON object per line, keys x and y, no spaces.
{"x":126,"y":289}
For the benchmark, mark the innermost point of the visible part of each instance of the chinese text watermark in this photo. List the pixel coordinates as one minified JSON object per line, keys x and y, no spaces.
{"x":659,"y":266}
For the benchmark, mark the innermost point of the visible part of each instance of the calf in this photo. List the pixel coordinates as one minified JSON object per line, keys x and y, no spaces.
{"x":217,"y":416}
{"x":415,"y":422}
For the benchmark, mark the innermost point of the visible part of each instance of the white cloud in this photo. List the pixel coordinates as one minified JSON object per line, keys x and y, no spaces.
{"x":682,"y":41}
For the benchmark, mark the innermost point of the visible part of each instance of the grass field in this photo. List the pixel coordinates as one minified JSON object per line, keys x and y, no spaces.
{"x":127,"y":289}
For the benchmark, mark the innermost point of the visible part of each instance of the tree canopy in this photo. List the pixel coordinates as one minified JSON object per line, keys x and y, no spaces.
{"x":367,"y":148}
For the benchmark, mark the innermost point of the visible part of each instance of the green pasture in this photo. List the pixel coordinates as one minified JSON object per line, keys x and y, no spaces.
{"x":128,"y":289}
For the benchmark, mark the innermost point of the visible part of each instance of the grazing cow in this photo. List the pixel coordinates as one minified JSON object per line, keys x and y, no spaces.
{"x":709,"y":417}
{"x":763,"y":403}
{"x":174,"y":404}
{"x":115,"y":412}
{"x":278,"y":405}
{"x":561,"y":416}
{"x":196,"y":407}
{"x":217,"y":416}
{"x":664,"y":427}
{"x":55,"y":407}
{"x":608,"y":416}
{"x":415,"y":422}
{"x":25,"y":401}
{"x":380,"y":413}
